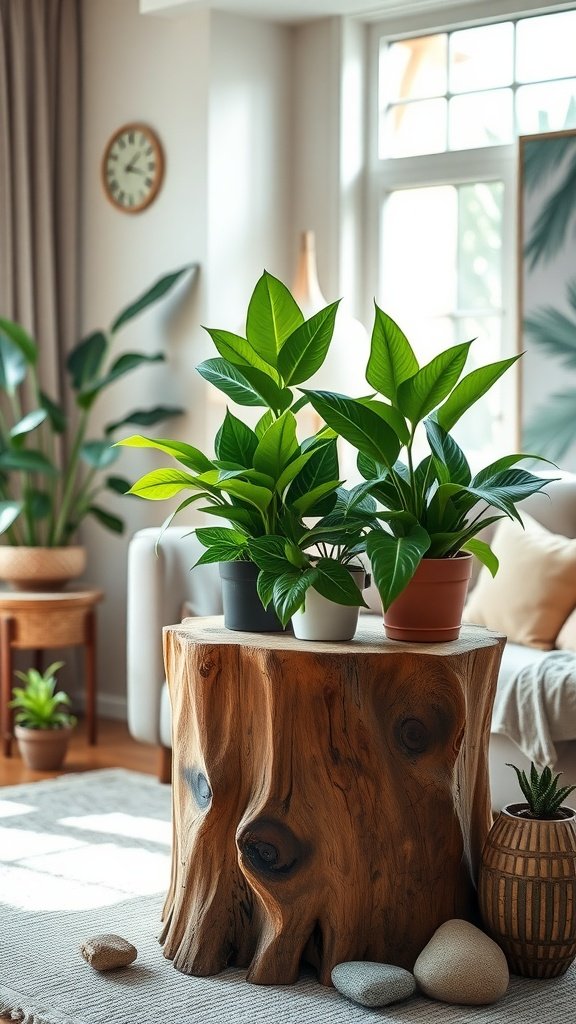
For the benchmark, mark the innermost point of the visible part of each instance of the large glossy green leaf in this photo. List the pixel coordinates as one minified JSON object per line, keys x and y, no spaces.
{"x":164,"y":483}
{"x":30,"y":461}
{"x":394,"y":560}
{"x":272,"y":317}
{"x":221,"y":551}
{"x":265,"y":421}
{"x":293,"y":469}
{"x":390,"y":415}
{"x":19,"y":337}
{"x":364,"y":429}
{"x":123,"y":365}
{"x":502,"y":464}
{"x":9,"y":512}
{"x":146,"y":417}
{"x":208,"y":535}
{"x":310,"y":503}
{"x":235,"y":442}
{"x":265,"y":586}
{"x":290,"y":591}
{"x":223,"y":545}
{"x":392,"y":360}
{"x":420,"y":394}
{"x":469,"y":390}
{"x":483,"y":552}
{"x":334,"y":582}
{"x":504,"y":490}
{"x":304,"y":351}
{"x":252,"y":494}
{"x":28,"y":423}
{"x":99,"y":454}
{"x":452,"y":465}
{"x":189,"y":456}
{"x":160,"y":288}
{"x":277,"y":446}
{"x":247,"y":386}
{"x":239,"y":351}
{"x":85,"y":360}
{"x":247,"y":518}
{"x":269,"y":553}
{"x":321,"y":468}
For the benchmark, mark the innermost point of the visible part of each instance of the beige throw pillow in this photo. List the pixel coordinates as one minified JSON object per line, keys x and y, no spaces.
{"x":566,"y":639}
{"x":534,"y":589}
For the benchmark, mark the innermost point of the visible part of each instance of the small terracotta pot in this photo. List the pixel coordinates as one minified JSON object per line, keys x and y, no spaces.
{"x":40,"y":569}
{"x":430,"y":608}
{"x":527,"y":891}
{"x":43,"y":749}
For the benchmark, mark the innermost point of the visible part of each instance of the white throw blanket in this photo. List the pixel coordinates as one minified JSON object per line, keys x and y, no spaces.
{"x":537,"y":706}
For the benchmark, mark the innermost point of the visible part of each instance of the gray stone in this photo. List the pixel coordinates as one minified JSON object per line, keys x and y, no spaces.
{"x":372,"y":984}
{"x":107,"y":952}
{"x":461,"y":964}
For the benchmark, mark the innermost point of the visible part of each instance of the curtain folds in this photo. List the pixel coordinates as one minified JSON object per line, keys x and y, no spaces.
{"x":40,"y":174}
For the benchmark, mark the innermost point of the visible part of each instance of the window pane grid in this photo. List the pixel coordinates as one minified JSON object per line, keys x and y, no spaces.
{"x":535,"y":104}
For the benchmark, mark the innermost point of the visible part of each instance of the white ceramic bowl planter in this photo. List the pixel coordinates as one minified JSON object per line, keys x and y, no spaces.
{"x":321,"y":619}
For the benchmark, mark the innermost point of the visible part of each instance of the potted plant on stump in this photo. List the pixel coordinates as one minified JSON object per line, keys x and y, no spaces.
{"x":432,"y":511}
{"x":50,"y":472}
{"x":43,"y":726}
{"x":261,"y":481}
{"x":527,"y":883}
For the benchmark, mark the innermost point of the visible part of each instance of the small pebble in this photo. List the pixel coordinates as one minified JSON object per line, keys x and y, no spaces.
{"x":106,"y":952}
{"x":373,"y":984}
{"x":461,"y":964}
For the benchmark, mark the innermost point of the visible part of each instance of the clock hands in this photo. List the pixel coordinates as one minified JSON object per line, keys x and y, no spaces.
{"x":130,"y":169}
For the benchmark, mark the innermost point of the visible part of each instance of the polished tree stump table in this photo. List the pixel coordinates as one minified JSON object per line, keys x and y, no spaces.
{"x":330,"y":801}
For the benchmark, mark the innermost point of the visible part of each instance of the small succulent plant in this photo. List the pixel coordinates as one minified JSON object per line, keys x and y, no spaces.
{"x":38,"y":705}
{"x":541,"y":791}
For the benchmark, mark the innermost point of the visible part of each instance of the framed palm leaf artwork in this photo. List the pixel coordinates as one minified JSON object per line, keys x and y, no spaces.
{"x":547,"y":294}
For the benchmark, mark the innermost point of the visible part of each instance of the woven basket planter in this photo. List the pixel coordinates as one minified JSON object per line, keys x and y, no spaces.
{"x":527,"y":891}
{"x":42,"y":569}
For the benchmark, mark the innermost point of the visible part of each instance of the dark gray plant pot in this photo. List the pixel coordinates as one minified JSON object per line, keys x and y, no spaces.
{"x":242,"y":607}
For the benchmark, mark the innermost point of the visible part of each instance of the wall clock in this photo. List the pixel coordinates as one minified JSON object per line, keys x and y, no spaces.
{"x":132,"y":167}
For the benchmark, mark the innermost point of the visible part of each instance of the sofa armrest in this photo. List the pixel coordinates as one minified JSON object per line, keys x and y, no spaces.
{"x":158,"y":585}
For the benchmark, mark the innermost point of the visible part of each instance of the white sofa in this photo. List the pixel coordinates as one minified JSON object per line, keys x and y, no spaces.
{"x":161,"y":588}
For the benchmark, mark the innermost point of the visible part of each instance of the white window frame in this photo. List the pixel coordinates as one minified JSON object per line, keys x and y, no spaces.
{"x":495,"y":163}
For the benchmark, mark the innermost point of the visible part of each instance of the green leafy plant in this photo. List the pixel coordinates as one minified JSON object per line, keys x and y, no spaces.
{"x":39,"y":705}
{"x":434,"y":509}
{"x":543,"y":797}
{"x":49,"y":467}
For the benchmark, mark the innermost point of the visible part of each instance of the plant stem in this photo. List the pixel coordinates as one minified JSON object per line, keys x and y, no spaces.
{"x":57,"y":532}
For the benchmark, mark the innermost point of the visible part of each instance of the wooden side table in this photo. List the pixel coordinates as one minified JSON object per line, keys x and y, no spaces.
{"x":40,"y":621}
{"x":330,"y":801}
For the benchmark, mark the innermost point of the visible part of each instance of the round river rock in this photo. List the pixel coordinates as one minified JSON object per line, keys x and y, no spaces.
{"x":106,"y":952}
{"x":461,"y":964}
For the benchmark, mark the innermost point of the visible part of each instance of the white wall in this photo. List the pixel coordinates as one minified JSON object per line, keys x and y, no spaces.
{"x":217,"y":90}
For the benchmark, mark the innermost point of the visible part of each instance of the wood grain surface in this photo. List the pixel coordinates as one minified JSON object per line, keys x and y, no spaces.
{"x":330,"y":800}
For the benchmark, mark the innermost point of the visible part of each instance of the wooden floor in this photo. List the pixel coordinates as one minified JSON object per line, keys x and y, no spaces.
{"x":115,"y":749}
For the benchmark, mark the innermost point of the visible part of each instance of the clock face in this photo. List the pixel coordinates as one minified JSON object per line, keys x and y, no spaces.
{"x":132,"y":168}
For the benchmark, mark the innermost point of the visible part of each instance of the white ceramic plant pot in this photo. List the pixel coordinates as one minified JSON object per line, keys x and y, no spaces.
{"x":321,"y":619}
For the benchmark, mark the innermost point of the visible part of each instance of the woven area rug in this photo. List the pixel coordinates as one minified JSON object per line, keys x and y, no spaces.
{"x":90,"y":853}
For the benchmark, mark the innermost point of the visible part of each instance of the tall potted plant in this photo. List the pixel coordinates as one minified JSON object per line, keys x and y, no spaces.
{"x":527,"y":883}
{"x":50,"y":468}
{"x":431,"y":512}
{"x":263,"y":482}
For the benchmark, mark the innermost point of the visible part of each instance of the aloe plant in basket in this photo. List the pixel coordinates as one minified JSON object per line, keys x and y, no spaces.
{"x":262,"y":482}
{"x":50,"y":468}
{"x":43,"y":722}
{"x":527,"y":882}
{"x":431,"y":512}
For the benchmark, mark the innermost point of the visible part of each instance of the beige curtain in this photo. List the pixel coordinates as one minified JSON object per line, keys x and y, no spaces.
{"x":39,"y":174}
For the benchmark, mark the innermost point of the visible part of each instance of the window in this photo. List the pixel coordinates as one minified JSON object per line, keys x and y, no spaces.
{"x":450,"y":106}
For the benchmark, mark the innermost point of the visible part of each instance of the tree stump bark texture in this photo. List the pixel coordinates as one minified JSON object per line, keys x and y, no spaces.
{"x":330,"y":801}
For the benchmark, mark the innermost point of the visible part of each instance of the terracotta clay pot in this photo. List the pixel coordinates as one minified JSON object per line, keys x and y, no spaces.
{"x":527,"y":891}
{"x":41,"y":569}
{"x":43,"y":749}
{"x":430,"y":608}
